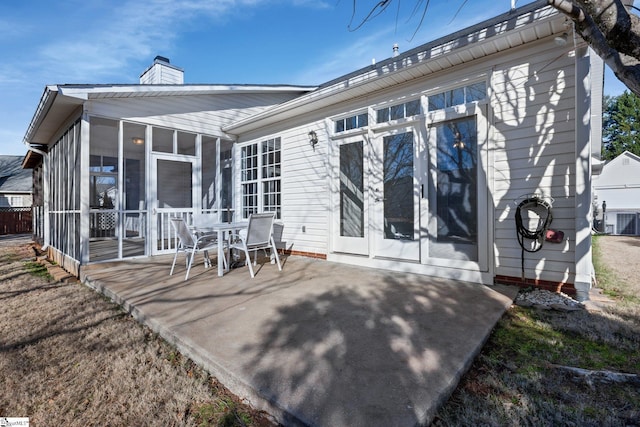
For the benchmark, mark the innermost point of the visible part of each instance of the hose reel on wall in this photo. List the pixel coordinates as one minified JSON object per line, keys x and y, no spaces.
{"x":533,"y":218}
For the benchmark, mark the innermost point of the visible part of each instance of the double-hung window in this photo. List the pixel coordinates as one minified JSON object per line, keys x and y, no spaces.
{"x":260,"y":172}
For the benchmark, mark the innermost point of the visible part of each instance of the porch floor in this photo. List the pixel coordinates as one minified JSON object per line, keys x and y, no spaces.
{"x":320,"y":343}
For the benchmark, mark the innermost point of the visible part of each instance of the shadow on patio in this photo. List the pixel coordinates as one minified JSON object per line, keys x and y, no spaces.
{"x":319,"y":343}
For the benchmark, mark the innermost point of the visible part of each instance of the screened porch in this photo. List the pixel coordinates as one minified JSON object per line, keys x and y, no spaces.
{"x":116,"y":184}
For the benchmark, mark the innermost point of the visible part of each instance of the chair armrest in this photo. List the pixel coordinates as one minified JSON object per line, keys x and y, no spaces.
{"x":205,"y":239}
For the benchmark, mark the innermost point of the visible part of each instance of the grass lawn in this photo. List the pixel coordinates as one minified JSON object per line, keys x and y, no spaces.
{"x":524,"y":374}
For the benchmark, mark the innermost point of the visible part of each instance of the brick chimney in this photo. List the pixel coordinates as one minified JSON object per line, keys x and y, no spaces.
{"x":161,"y":72}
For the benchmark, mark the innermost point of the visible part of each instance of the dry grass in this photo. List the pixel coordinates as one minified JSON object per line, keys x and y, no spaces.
{"x":70,"y":357}
{"x":515,"y":379}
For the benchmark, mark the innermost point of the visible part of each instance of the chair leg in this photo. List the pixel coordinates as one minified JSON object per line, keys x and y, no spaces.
{"x":206,"y":260}
{"x":274,"y":251}
{"x":191,"y":257}
{"x":175,"y":257}
{"x":248,"y":258}
{"x":225,"y":262}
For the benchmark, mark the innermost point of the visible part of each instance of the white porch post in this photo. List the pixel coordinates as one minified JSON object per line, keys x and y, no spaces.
{"x":46,"y":190}
{"x":85,"y":223}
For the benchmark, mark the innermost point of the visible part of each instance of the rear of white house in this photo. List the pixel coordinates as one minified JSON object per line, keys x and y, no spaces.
{"x":617,"y":195}
{"x":417,"y":163}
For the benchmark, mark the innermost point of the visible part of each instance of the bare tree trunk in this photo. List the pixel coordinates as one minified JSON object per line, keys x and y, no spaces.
{"x":612,"y":31}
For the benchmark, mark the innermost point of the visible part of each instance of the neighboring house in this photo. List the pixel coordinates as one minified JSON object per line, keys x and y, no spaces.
{"x":15,"y":183}
{"x":15,"y":196}
{"x":617,"y":195}
{"x":413,"y":164}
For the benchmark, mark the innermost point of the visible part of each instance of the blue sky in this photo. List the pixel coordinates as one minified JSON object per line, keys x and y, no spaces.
{"x":303,"y":42}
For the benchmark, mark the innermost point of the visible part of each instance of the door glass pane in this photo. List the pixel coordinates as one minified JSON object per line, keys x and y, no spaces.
{"x":351,"y":190}
{"x":455,"y":208}
{"x":163,"y":140}
{"x":174,"y":184}
{"x":476,"y":92}
{"x":398,"y":186}
{"x":457,"y":97}
{"x":186,"y":143}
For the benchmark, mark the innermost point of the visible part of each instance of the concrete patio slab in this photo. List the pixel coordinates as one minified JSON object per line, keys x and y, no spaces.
{"x":318,"y":344}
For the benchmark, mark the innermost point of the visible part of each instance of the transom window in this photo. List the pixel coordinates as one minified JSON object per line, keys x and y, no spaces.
{"x":459,"y":96}
{"x":398,"y":111}
{"x":260,"y":172}
{"x":352,"y":122}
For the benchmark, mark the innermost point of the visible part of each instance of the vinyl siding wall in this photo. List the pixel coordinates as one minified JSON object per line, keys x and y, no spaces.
{"x":533,"y":139}
{"x":531,"y":150}
{"x":304,"y":186}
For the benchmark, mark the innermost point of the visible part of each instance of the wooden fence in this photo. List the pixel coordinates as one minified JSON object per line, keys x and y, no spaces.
{"x":15,"y":221}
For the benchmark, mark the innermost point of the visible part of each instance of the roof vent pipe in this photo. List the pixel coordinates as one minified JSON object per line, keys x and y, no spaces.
{"x":395,"y":50}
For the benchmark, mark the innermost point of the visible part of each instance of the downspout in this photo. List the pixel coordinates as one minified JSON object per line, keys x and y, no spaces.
{"x":45,"y":188}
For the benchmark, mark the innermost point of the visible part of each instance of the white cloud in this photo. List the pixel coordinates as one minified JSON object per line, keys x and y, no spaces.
{"x":130,"y":33}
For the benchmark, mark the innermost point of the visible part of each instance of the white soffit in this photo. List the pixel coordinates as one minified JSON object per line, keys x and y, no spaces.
{"x":59,"y":102}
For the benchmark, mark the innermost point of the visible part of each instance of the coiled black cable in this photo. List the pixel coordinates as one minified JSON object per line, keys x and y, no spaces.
{"x":536,"y":235}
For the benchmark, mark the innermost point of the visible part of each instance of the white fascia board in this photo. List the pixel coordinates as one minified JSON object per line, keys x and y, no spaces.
{"x":46,"y":101}
{"x":125,"y":91}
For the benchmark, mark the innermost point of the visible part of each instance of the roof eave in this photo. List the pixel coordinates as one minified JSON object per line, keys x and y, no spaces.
{"x":392,"y":68}
{"x":65,"y":99}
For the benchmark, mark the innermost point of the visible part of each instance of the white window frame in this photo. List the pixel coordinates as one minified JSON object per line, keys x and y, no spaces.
{"x":255,"y":201}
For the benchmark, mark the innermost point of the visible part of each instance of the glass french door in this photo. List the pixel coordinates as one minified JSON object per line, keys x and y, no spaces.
{"x":395,"y":224}
{"x":456,"y":212}
{"x":350,"y":218}
{"x":416,"y":193}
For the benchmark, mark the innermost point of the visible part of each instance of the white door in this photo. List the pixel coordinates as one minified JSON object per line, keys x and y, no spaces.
{"x":173,"y":193}
{"x":456,"y":214}
{"x":350,"y":197}
{"x":395,"y":194}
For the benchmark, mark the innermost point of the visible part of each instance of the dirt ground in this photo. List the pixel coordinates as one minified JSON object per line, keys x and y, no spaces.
{"x":621,"y":254}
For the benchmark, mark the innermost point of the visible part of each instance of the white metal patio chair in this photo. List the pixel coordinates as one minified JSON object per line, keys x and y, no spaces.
{"x":258,"y":236}
{"x":191,"y":243}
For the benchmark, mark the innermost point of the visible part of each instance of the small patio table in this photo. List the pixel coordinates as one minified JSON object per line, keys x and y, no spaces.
{"x":220,"y":228}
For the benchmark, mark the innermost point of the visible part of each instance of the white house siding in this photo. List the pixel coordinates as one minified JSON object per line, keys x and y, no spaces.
{"x":531,"y":150}
{"x":304,"y":186}
{"x":619,"y":185}
{"x":195,"y":113}
{"x":533,"y":105}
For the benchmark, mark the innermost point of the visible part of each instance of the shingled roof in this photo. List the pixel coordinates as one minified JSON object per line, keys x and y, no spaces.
{"x":13,"y":178}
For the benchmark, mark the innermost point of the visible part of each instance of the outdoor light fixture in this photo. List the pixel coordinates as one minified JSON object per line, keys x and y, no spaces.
{"x":561,"y":40}
{"x":457,"y":141}
{"x":137,"y":140}
{"x":313,"y":139}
